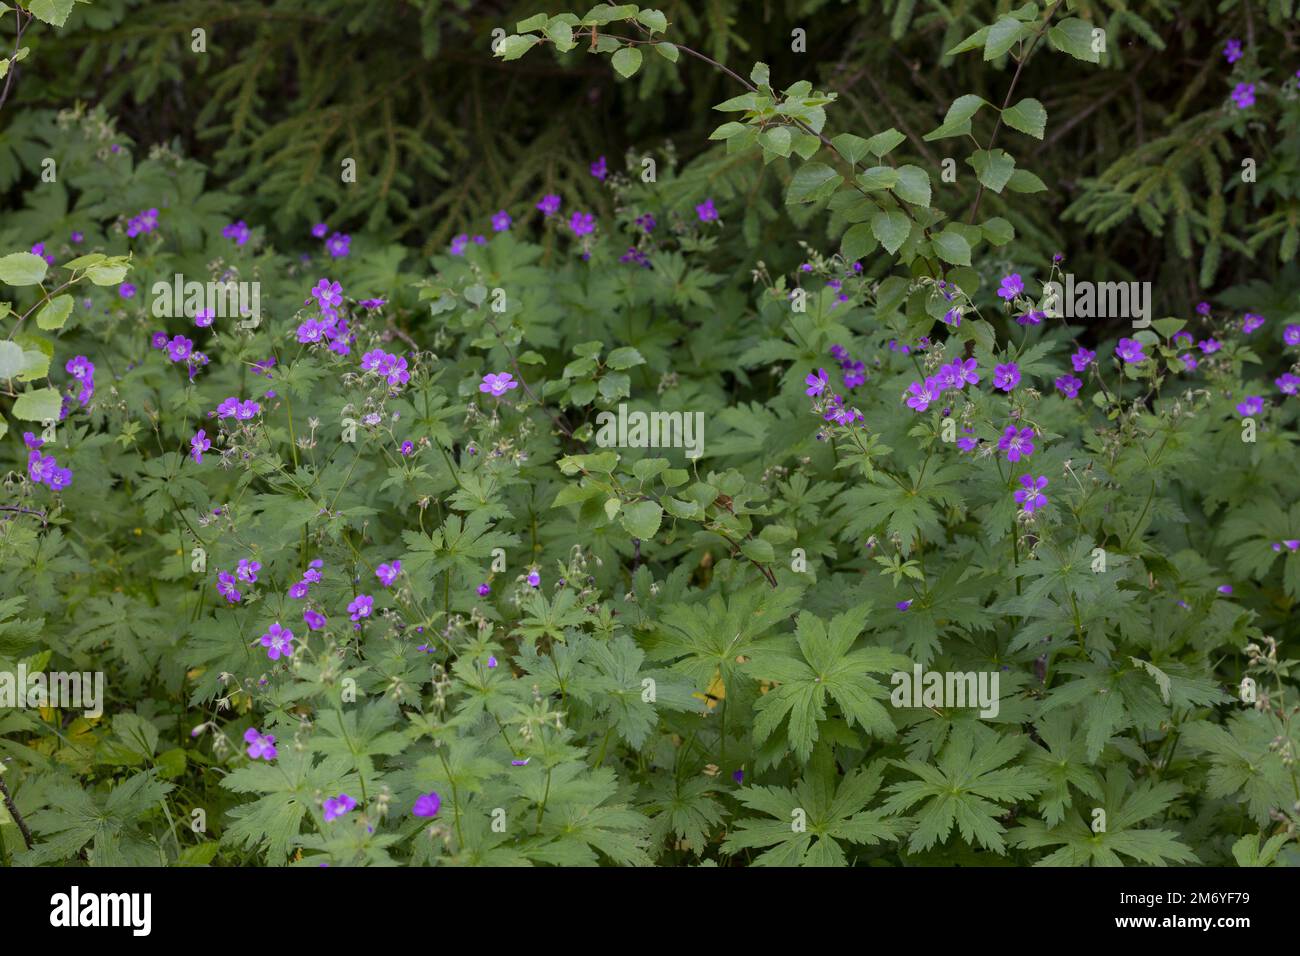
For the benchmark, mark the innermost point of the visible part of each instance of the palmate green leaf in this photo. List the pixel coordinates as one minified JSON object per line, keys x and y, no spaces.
{"x":822,"y":664}
{"x":1246,"y":766}
{"x":360,"y":737}
{"x":811,"y":821}
{"x":551,"y":618}
{"x":107,"y":826}
{"x":966,"y":789}
{"x":461,"y":544}
{"x":701,"y":639}
{"x":1125,"y":805}
{"x":289,"y":789}
{"x":684,"y":809}
{"x":1062,"y":764}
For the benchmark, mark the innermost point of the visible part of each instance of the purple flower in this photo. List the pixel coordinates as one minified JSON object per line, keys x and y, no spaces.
{"x":1202,"y":308}
{"x":1244,"y":95}
{"x":646,"y":222}
{"x":179,"y":348}
{"x":1291,"y":335}
{"x":1209,"y":346}
{"x":854,"y":374}
{"x":226,"y":587}
{"x":260,"y":746}
{"x":278,"y":641}
{"x":497,"y":384}
{"x":964,"y":372}
{"x":387,"y":573}
{"x":968,"y":442}
{"x":319,"y":230}
{"x":299,"y":590}
{"x":338,"y":245}
{"x":1082,"y":358}
{"x":146,"y":222}
{"x":1253,"y":405}
{"x":335,"y":807}
{"x":315,"y":620}
{"x":1288,"y":384}
{"x":599,"y":169}
{"x":484,"y":589}
{"x":904,"y":605}
{"x":1011,"y":286}
{"x":77,"y":237}
{"x":816,"y":383}
{"x":31,"y":441}
{"x":59,"y":479}
{"x":39,"y":250}
{"x":920,"y":395}
{"x":246,"y":410}
{"x":706,"y":211}
{"x":549,"y":204}
{"x":1018,"y":443}
{"x":953,"y":317}
{"x":534,"y":579}
{"x":371,"y":304}
{"x":1250,"y":322}
{"x":237,"y":231}
{"x":1189,"y":362}
{"x":203,"y":318}
{"x":361,"y":606}
{"x":1031,"y":318}
{"x":1006,"y":377}
{"x":80,"y":368}
{"x":126,"y":290}
{"x":501,"y":221}
{"x":582,"y":223}
{"x":247,"y":570}
{"x":328,"y":294}
{"x":492,"y":662}
{"x":1068,"y":386}
{"x":427,"y":805}
{"x":198,"y":445}
{"x":1224,"y":589}
{"x":738,"y":776}
{"x":1130,"y":350}
{"x":1232,"y":50}
{"x":1031,"y":497}
{"x":1183,"y":340}
{"x":407,"y":449}
{"x":40,"y":467}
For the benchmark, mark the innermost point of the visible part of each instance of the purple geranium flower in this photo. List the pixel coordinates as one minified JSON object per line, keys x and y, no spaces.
{"x":338,"y":245}
{"x":484,"y":589}
{"x":361,"y":606}
{"x":199,"y":443}
{"x":497,"y":384}
{"x":920,"y":395}
{"x":1291,"y":335}
{"x":1031,"y":496}
{"x":1250,"y":322}
{"x":260,"y":746}
{"x":1018,"y":443}
{"x":278,"y":641}
{"x":534,"y":579}
{"x":126,"y":290}
{"x":1243,"y":95}
{"x":1006,"y":377}
{"x":582,"y":223}
{"x":549,"y":204}
{"x":1082,"y":358}
{"x":501,"y":221}
{"x":816,"y":383}
{"x":706,"y":211}
{"x":1252,"y":405}
{"x":387,"y":573}
{"x":226,"y":587}
{"x":1068,"y":386}
{"x":1232,"y":50}
{"x":1130,"y":350}
{"x":247,"y":570}
{"x":237,"y":231}
{"x":1288,"y":384}
{"x":1209,"y":346}
{"x":315,"y":620}
{"x":335,"y":807}
{"x":1011,"y":286}
{"x":427,"y":805}
{"x":599,"y":169}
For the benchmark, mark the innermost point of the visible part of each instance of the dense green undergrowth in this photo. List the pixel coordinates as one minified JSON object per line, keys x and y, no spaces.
{"x":383,"y":566}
